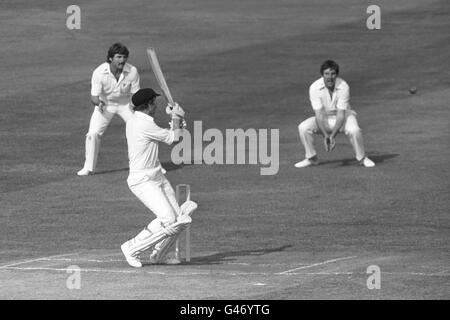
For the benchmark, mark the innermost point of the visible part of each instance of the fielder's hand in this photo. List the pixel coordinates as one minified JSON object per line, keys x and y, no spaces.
{"x":101,"y":106}
{"x":329,"y":143}
{"x":326,"y":144}
{"x":332,"y":143}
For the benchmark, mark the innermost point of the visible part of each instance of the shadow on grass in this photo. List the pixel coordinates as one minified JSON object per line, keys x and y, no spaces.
{"x":377,"y":158}
{"x":111,"y":171}
{"x":169,"y":166}
{"x":221,"y":257}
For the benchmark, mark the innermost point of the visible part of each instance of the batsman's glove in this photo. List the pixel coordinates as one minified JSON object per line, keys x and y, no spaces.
{"x":183,"y":124}
{"x":170,"y":106}
{"x":177,"y":111}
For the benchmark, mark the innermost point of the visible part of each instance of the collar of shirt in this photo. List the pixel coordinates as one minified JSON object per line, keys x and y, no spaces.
{"x":337,"y":85}
{"x":144,"y":116}
{"x":107,"y":69}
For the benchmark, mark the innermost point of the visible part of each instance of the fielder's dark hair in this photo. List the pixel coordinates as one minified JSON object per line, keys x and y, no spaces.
{"x":117,"y":48}
{"x":329,"y":64}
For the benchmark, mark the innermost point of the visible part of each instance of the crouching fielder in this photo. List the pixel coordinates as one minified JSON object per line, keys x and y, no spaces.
{"x":330,"y":97}
{"x":149,"y":184}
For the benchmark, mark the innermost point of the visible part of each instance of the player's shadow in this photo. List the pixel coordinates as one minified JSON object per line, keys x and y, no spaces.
{"x":229,"y":256}
{"x":375,"y":157}
{"x":111,"y":171}
{"x":169,"y":166}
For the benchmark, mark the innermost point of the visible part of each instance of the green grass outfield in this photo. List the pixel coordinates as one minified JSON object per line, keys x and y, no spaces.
{"x":301,"y":234}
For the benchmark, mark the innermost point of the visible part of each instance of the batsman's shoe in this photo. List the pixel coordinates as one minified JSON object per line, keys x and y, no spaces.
{"x":132,"y":261}
{"x":366,"y":162}
{"x":306,"y":163}
{"x":164,"y":171}
{"x":84,"y":172}
{"x":188,"y":207}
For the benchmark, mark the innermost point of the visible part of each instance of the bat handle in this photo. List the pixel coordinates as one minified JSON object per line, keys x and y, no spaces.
{"x":175,"y":123}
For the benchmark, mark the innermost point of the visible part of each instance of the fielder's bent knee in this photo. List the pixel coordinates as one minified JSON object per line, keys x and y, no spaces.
{"x":354,"y":132}
{"x":93,"y":135}
{"x":303,"y":127}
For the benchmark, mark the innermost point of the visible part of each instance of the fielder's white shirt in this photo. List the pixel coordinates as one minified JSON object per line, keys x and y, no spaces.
{"x":115,"y":92}
{"x":143,"y":136}
{"x":321,"y":100}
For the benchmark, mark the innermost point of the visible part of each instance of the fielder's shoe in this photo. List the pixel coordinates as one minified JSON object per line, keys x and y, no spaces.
{"x":84,"y":172}
{"x":132,"y":261}
{"x":307,"y":162}
{"x":366,"y":162}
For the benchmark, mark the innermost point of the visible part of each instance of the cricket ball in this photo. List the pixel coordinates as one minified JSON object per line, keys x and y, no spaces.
{"x":412,"y":90}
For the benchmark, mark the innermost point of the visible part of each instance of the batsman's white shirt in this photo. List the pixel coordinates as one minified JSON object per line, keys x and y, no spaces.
{"x":143,"y":136}
{"x":320,"y":97}
{"x":115,"y":92}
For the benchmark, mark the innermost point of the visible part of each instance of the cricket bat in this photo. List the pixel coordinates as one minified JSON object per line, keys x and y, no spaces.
{"x":154,"y":63}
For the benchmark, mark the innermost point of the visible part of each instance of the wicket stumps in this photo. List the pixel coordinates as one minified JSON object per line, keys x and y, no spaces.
{"x":181,"y":200}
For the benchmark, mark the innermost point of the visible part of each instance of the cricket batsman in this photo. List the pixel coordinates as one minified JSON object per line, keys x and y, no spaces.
{"x":147,"y":182}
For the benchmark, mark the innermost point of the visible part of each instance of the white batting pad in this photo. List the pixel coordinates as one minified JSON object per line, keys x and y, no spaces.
{"x":138,"y":245}
{"x":188,"y":207}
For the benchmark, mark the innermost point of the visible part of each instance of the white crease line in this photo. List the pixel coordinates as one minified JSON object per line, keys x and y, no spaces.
{"x":38,"y":259}
{"x":120,"y":260}
{"x":317,"y":264}
{"x":434,"y":274}
{"x":82,"y":260}
{"x":208,"y":273}
{"x":69,"y":269}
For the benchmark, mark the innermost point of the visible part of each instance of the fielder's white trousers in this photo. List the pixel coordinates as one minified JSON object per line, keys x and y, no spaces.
{"x":350,"y":127}
{"x":157,"y":194}
{"x":97,"y":126}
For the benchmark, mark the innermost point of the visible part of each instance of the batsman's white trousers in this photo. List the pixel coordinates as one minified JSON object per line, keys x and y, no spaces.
{"x":309,"y":127}
{"x":158,"y":196}
{"x":97,"y":126}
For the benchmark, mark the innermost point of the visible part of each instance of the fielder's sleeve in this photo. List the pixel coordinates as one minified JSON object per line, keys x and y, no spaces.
{"x":96,"y":83}
{"x":343,"y":102}
{"x":135,"y":85}
{"x":314,"y":97}
{"x":159,"y":134}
